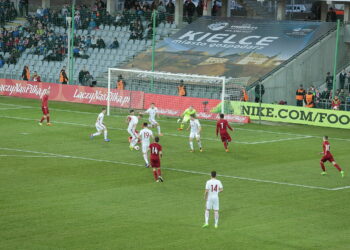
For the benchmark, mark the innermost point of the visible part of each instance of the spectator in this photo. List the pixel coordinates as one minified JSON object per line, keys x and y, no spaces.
{"x":63,"y":76}
{"x":161,"y":12}
{"x":200,"y":8}
{"x":190,"y":9}
{"x":87,"y":79}
{"x":244,"y":95}
{"x":120,"y":83}
{"x":115,"y":44}
{"x":309,"y":100}
{"x":118,"y":20}
{"x":93,"y":42}
{"x":2,"y":61}
{"x":100,"y":43}
{"x":170,"y":11}
{"x":36,"y":77}
{"x":81,"y":76}
{"x":182,"y":89}
{"x":215,"y":9}
{"x":26,"y":74}
{"x":149,"y":32}
{"x":342,"y":78}
{"x":92,"y":24}
{"x":300,"y":96}
{"x":342,"y":96}
{"x":329,"y":80}
{"x":331,"y":15}
{"x":259,"y":90}
{"x":336,"y":103}
{"x":133,"y":36}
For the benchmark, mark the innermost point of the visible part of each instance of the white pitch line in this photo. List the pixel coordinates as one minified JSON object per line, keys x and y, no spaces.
{"x":31,"y":156}
{"x":171,"y":169}
{"x":340,"y":188}
{"x":11,"y":108}
{"x":185,"y":136}
{"x":244,"y":129}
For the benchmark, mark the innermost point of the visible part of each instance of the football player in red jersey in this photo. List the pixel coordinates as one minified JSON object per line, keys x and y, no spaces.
{"x":45,"y":109}
{"x":222,"y":126}
{"x":327,"y":156}
{"x":156,"y":154}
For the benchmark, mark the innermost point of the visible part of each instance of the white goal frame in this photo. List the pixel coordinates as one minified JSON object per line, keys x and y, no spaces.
{"x":158,"y":73}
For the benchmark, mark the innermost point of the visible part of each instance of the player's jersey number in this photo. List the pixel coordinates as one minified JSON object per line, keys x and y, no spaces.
{"x":214,"y":188}
{"x":154,"y":150}
{"x":222,"y":125}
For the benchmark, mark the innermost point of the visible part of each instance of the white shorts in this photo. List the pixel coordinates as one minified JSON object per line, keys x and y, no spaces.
{"x":195,"y":135}
{"x":100,"y":127}
{"x":153,"y":122}
{"x":212,"y":203}
{"x":145,"y":147}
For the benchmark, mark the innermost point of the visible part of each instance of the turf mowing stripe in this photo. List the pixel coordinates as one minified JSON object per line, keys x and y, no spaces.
{"x":185,"y":136}
{"x":245,"y":129}
{"x":171,"y":169}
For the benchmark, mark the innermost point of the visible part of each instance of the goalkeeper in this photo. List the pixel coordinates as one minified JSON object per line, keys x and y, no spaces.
{"x":186,"y":115}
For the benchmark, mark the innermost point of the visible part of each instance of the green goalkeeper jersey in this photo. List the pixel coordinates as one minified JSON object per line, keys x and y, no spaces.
{"x":189,"y":112}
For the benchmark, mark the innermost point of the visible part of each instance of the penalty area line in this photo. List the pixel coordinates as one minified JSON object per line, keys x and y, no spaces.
{"x":172,"y":169}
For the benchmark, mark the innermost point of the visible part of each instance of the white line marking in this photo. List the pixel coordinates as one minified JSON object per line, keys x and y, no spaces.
{"x":341,"y":188}
{"x":185,"y":136}
{"x":9,"y":108}
{"x":171,"y":169}
{"x":244,"y":129}
{"x":31,"y":156}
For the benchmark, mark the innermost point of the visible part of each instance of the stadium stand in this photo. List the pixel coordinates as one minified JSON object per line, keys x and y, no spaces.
{"x":41,"y":42}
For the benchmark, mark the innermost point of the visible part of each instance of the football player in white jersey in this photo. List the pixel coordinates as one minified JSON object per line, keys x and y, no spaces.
{"x":100,"y":126}
{"x":211,"y":195}
{"x":133,"y":120}
{"x":153,"y":112}
{"x":145,"y":135}
{"x":195,"y":132}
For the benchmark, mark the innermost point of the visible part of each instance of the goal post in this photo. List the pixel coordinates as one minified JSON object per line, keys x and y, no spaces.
{"x":204,"y":93}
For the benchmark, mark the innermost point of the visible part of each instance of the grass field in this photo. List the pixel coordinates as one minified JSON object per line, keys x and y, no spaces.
{"x":61,"y":190}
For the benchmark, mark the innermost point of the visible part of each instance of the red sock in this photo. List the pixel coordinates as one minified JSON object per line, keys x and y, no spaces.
{"x":48,"y":119}
{"x":155,"y":175}
{"x":42,"y":119}
{"x":337,"y":166}
{"x":322,"y":166}
{"x":159,"y":172}
{"x":225,"y":144}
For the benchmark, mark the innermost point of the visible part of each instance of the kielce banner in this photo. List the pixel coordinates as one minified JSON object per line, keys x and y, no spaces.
{"x":292,"y":114}
{"x":167,"y":105}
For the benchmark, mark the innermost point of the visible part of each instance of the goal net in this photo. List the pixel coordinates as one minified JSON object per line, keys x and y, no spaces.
{"x":171,"y":93}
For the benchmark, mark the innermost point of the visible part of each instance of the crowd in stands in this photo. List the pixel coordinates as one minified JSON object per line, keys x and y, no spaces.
{"x":315,"y":98}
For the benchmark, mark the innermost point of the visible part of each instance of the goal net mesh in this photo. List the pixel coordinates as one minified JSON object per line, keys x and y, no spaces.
{"x":172,"y":93}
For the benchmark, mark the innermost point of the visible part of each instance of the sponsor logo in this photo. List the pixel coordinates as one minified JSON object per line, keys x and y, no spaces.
{"x":217,"y":26}
{"x":19,"y":88}
{"x":291,"y":114}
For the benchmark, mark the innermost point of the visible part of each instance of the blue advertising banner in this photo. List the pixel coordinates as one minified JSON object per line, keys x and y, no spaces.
{"x":233,"y":47}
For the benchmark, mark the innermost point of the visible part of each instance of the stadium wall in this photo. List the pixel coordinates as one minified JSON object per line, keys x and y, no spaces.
{"x":309,"y":68}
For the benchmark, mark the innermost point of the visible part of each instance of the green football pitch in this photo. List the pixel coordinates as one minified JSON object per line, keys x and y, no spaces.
{"x":61,"y":190}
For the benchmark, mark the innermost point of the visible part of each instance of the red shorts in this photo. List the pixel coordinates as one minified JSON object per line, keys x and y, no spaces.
{"x":155,"y":163}
{"x":225,"y":137}
{"x":45,"y":110}
{"x":328,"y":157}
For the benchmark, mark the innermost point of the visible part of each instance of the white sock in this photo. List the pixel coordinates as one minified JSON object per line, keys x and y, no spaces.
{"x":105,"y":134}
{"x":191,"y":145}
{"x":145,"y":158}
{"x":216,"y":216}
{"x":96,"y":134}
{"x":133,"y":141}
{"x":199,"y":144}
{"x":158,"y":128}
{"x":206,"y":215}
